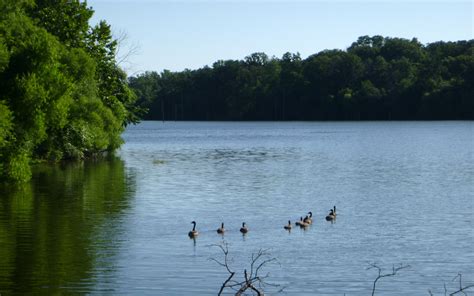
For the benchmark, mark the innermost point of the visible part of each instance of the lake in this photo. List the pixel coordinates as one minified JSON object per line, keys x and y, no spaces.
{"x":403,"y":190}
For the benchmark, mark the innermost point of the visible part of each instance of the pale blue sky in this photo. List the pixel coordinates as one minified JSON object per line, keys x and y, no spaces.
{"x":176,"y":35}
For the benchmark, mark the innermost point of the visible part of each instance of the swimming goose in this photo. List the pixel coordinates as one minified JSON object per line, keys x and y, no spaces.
{"x":298,"y":223}
{"x":288,"y":227}
{"x":331,"y":215}
{"x":221,"y":230}
{"x":304,"y":223}
{"x":308,"y":219}
{"x":194,"y":232}
{"x":244,"y":228}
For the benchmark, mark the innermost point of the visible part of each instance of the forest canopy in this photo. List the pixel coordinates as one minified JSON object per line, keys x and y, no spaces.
{"x":376,"y":78}
{"x":62,"y":94}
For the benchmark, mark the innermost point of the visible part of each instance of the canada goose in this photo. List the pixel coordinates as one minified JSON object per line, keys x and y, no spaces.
{"x":288,"y":227}
{"x":193,"y":233}
{"x":244,"y":228}
{"x":305,"y":220}
{"x":221,"y":230}
{"x":335,"y":214}
{"x":298,"y":223}
{"x":304,"y":223}
{"x":331,"y":215}
{"x":308,"y":219}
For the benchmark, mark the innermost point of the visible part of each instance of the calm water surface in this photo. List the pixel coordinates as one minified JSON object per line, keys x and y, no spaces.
{"x":404,"y":192}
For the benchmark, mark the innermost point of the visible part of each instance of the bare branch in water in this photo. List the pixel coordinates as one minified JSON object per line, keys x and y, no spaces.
{"x":380,"y":275}
{"x":461,"y":288}
{"x":252,"y":282}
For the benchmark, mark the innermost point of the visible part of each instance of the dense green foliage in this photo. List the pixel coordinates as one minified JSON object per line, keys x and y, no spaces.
{"x":376,"y":78}
{"x":62,"y":95}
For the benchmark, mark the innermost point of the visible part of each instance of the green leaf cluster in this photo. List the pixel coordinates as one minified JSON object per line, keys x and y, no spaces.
{"x":62,"y":95}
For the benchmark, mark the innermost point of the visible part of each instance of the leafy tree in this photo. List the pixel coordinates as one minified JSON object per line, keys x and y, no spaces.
{"x":62,"y":95}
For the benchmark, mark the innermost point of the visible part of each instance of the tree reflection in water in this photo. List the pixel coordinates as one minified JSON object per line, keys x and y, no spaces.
{"x":61,"y":229}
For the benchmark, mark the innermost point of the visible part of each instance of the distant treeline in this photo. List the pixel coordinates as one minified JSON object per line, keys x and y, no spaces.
{"x":376,"y":78}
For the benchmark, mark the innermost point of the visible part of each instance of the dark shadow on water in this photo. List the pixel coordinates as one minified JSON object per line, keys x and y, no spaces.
{"x":58,"y":230}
